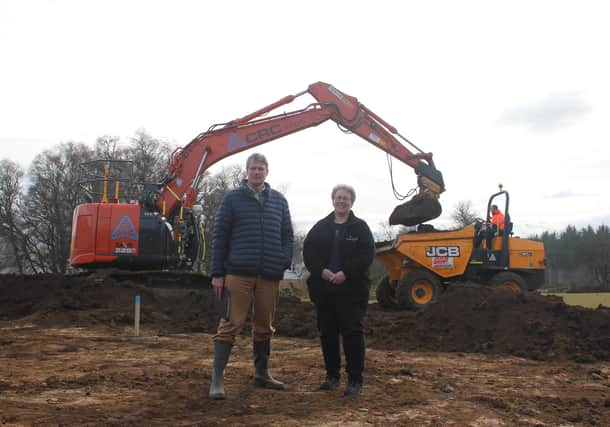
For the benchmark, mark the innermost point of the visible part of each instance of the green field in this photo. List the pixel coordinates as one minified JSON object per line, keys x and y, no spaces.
{"x":589,"y":300}
{"x":298,"y":289}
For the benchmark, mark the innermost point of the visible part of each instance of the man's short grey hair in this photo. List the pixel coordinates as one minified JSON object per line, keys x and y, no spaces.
{"x":344,"y":187}
{"x":257,"y":157}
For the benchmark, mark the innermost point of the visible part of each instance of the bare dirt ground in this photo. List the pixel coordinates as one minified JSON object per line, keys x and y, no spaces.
{"x":478,"y":357}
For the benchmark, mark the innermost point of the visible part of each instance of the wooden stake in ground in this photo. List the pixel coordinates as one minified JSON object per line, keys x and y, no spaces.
{"x":136,"y":319}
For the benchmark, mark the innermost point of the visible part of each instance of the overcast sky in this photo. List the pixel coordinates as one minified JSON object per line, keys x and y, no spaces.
{"x":515,"y":92}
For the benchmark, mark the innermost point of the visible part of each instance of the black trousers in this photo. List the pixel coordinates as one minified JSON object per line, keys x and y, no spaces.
{"x":337,"y":318}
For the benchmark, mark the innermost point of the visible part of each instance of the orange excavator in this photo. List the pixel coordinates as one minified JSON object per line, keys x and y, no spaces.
{"x":162,"y":231}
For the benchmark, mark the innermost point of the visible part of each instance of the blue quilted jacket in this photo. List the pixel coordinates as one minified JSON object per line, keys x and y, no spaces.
{"x":252,"y":238}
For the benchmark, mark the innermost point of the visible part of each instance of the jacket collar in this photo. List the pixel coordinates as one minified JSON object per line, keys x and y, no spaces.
{"x":244,"y":186}
{"x":350,"y":219}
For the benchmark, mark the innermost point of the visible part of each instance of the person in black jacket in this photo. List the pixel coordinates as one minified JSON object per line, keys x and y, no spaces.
{"x":252,"y":246}
{"x":338,"y":252}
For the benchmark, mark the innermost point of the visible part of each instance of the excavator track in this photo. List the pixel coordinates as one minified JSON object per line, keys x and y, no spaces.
{"x":151,"y":278}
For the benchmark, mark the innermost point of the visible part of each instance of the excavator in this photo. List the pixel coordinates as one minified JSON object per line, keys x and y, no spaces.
{"x":162,"y":231}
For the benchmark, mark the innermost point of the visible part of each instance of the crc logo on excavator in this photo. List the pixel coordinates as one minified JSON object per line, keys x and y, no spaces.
{"x":258,"y":136}
{"x":443,"y":251}
{"x":339,"y":95}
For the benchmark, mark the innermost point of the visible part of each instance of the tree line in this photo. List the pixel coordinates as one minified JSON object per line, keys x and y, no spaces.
{"x":579,"y":260}
{"x":36,"y":208}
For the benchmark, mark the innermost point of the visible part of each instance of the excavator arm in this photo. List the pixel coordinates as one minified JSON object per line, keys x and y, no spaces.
{"x":179,"y":188}
{"x":163,"y":231}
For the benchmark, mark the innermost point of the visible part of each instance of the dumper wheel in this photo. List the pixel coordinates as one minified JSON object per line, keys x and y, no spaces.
{"x":386,"y":296}
{"x":418,"y":289}
{"x":509,"y":280}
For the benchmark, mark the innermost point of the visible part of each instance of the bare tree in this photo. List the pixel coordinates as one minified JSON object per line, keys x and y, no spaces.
{"x":298,"y":264}
{"x":11,"y":238}
{"x":150,"y":156}
{"x":386,"y":232}
{"x":462,"y":214}
{"x":50,"y":201}
{"x":108,"y":148}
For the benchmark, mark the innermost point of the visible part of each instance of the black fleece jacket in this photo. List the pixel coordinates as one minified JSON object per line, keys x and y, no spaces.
{"x":356,"y":249}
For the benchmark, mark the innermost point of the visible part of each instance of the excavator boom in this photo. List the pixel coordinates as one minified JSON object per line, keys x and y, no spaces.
{"x":162,"y":230}
{"x":187,"y":164}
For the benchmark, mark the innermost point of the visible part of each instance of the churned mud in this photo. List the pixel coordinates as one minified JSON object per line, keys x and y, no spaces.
{"x":477,"y":357}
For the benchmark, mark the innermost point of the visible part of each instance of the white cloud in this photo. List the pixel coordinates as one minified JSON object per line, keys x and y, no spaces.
{"x":565,"y":195}
{"x":554,"y":111}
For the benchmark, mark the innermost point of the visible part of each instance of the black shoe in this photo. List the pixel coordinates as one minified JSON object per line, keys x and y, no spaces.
{"x":353,"y":388}
{"x":329,"y":383}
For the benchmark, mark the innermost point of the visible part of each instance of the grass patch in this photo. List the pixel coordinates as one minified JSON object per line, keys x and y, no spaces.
{"x":588,"y":300}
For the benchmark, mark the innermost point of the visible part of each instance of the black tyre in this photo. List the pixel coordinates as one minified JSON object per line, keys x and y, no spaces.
{"x":509,"y":280}
{"x":385,"y":294}
{"x":418,"y":289}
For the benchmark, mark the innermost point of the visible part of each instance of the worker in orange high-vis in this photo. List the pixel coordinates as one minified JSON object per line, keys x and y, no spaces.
{"x":497,"y":217}
{"x":497,"y":224}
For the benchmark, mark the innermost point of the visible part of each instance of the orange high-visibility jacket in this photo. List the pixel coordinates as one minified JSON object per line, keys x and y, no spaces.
{"x":498,"y":219}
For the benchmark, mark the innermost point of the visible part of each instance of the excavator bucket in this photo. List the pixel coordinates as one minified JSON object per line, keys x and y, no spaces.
{"x":421,"y":208}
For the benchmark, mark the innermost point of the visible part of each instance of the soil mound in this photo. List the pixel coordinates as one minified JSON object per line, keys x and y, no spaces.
{"x":476,"y":318}
{"x":466,"y":318}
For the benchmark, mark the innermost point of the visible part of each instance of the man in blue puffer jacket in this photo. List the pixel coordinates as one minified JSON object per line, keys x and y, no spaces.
{"x":252,"y":246}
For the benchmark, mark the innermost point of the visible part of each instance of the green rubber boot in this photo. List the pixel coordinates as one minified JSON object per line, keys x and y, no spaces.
{"x":262,"y":378}
{"x":222,"y":349}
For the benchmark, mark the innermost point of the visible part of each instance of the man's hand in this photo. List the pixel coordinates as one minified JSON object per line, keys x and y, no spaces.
{"x":339,"y":278}
{"x":328,"y":275}
{"x":218,"y":283}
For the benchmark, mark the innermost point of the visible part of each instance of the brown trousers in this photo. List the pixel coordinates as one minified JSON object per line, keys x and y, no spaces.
{"x":242,"y":291}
